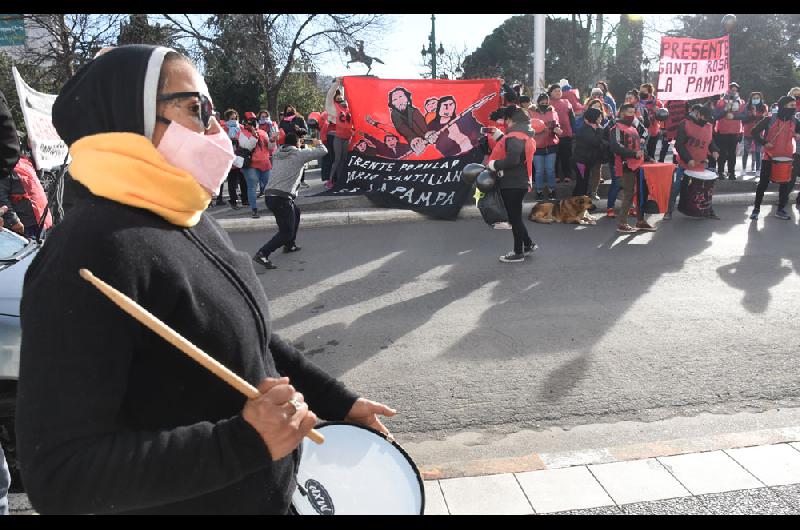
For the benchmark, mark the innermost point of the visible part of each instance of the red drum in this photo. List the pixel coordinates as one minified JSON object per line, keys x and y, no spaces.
{"x":781,"y":170}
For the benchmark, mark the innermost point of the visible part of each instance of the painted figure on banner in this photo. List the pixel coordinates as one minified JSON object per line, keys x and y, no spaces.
{"x":365,"y":147}
{"x":390,"y":147}
{"x":454,"y":134}
{"x":430,"y":109}
{"x":407,"y":119}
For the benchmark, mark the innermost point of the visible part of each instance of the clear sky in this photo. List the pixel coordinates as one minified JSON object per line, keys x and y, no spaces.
{"x":400,"y":48}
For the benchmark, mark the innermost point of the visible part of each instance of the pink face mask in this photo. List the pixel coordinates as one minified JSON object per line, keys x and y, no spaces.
{"x":207,"y":157}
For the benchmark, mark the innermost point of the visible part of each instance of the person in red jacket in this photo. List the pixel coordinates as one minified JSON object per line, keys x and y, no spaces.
{"x":755,"y":110}
{"x":778,"y":134}
{"x":544,"y":159}
{"x":649,"y":101}
{"x":729,"y":111}
{"x":629,"y":155}
{"x":694,"y":142}
{"x":261,"y":147}
{"x":566,"y":119}
{"x":340,"y":120}
{"x":512,"y":159}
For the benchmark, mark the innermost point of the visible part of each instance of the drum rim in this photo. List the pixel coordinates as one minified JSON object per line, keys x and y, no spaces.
{"x":782,"y":159}
{"x":420,"y":482}
{"x":711,"y":175}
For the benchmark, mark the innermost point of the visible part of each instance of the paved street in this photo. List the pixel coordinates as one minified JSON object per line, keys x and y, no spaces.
{"x":699,"y":316}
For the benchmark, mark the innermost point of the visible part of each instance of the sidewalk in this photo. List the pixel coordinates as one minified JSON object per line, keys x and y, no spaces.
{"x":713,"y":475}
{"x":332,"y":211}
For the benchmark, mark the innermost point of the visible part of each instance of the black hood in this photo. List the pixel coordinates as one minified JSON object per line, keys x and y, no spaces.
{"x":115,"y":92}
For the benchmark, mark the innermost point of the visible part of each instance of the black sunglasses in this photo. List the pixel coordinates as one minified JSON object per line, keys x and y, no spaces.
{"x":206,"y":107}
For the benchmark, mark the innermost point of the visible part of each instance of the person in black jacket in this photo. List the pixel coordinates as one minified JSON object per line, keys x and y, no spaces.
{"x":514,"y":169}
{"x":110,"y":417}
{"x":9,"y":183}
{"x":590,"y":147}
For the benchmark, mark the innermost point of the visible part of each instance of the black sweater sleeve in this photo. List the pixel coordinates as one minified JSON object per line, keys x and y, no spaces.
{"x":759,"y":132}
{"x":76,"y":349}
{"x":9,"y":141}
{"x":10,"y":218}
{"x":327,"y":397}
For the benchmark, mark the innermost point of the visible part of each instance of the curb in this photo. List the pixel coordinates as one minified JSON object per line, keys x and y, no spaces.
{"x":389,"y":215}
{"x":621,"y":453}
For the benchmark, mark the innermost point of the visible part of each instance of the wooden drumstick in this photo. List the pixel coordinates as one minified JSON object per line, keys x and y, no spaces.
{"x":165,"y":332}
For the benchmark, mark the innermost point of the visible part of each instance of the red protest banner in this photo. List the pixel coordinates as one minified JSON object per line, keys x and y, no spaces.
{"x":419,"y":119}
{"x":693,"y":68}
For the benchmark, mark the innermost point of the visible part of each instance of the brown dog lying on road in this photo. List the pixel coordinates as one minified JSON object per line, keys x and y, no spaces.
{"x":571,"y":210}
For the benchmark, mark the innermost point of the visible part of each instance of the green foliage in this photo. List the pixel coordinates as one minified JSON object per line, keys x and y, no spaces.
{"x":506,"y":52}
{"x":625,"y":71}
{"x":300,"y":91}
{"x":765,"y":49}
{"x":138,"y":30}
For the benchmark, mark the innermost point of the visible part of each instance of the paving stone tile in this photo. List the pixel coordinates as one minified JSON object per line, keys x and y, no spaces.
{"x":492,"y":494}
{"x":434,"y":500}
{"x":556,"y":490}
{"x":711,"y":472}
{"x":774,"y":465}
{"x":637,"y":481}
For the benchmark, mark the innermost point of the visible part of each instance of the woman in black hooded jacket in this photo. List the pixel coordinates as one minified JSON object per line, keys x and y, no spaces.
{"x":110,"y":417}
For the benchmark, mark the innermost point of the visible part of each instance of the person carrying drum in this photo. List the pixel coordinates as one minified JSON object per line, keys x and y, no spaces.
{"x":693,"y":143}
{"x":111,"y":418}
{"x":778,"y":134}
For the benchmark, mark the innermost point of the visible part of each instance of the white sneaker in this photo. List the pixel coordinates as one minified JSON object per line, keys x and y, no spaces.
{"x":501,"y":226}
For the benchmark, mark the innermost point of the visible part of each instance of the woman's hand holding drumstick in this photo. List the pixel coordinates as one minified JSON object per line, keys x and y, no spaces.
{"x":274,"y":409}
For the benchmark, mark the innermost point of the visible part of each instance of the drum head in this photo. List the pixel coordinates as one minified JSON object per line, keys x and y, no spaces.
{"x":356,"y":472}
{"x":700,"y":175}
{"x":783,"y":159}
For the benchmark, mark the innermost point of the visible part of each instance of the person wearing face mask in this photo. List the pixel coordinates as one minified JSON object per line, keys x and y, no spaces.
{"x":111,"y":418}
{"x":260,"y":147}
{"x":778,"y":135}
{"x":650,"y":102}
{"x":608,"y":98}
{"x":566,"y":119}
{"x":596,"y":174}
{"x":694,"y":143}
{"x":294,"y":122}
{"x":626,"y":143}
{"x":544,"y":159}
{"x":729,"y":112}
{"x":755,"y":111}
{"x":590,"y":144}
{"x":235,"y":178}
{"x":342,"y":124}
{"x":512,"y":160}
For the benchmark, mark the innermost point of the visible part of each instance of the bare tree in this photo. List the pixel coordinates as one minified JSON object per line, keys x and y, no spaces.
{"x":59,"y":44}
{"x":448,"y":65}
{"x":269,"y":45}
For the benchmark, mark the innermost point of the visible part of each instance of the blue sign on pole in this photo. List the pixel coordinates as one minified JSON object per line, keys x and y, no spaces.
{"x":12,"y":30}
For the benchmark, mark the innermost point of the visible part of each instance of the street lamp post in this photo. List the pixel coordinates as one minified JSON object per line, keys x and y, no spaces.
{"x":431,"y":48}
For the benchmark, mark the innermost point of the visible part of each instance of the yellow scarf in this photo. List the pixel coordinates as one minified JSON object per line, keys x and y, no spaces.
{"x":127,"y":168}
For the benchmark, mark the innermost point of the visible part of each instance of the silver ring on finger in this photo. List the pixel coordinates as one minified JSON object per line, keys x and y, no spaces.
{"x":296,"y":404}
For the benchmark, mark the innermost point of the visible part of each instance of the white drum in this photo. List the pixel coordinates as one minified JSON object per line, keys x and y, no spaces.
{"x":357,"y":471}
{"x":700,"y":175}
